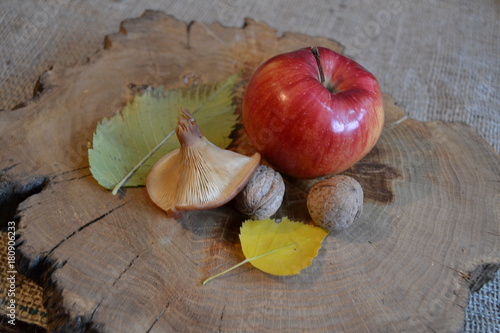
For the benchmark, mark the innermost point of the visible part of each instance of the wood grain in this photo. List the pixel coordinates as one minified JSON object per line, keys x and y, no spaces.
{"x":118,"y":264}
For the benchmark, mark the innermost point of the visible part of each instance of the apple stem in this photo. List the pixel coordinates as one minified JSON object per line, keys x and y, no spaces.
{"x":315,"y":52}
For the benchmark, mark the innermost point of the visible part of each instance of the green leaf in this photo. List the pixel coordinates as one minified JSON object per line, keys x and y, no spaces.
{"x":283,"y":248}
{"x":128,"y":144}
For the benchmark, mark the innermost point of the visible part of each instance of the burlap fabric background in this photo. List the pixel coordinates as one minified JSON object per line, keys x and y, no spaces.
{"x":440,"y":60}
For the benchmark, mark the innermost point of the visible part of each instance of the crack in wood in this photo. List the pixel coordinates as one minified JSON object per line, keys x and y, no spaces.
{"x":71,"y":179}
{"x":188,"y":34}
{"x":48,"y":266}
{"x":478,"y":277}
{"x":459,"y":305}
{"x":9,"y":167}
{"x":91,"y":317}
{"x":95,"y":310}
{"x":125,"y":270}
{"x":83,"y":227}
{"x":221,"y":317}
{"x":70,"y":171}
{"x":159,"y":316}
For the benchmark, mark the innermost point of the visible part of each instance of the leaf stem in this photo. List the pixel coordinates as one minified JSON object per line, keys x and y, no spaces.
{"x":227,"y":270}
{"x":218,"y":90}
{"x":245,"y":261}
{"x":127,"y":177}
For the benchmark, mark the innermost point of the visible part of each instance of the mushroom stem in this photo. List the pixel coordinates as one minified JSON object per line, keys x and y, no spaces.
{"x":187,"y":129}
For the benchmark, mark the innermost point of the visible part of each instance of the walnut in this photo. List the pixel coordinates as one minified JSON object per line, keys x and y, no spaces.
{"x":335,"y":203}
{"x":263,"y":194}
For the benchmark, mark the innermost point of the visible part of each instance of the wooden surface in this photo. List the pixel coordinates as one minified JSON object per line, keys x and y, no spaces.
{"x":118,"y":264}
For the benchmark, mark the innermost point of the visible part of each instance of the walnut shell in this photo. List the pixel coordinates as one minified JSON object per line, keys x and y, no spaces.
{"x":335,"y":203}
{"x":263,"y":194}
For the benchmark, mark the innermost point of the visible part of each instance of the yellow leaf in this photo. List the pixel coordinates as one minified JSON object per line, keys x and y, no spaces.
{"x":278,"y":248}
{"x":283,"y":248}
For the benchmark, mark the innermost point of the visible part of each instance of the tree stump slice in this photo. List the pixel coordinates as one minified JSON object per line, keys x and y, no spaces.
{"x":119,"y":264}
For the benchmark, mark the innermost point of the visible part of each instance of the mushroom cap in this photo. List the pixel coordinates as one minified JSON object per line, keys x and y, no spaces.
{"x":198,"y":175}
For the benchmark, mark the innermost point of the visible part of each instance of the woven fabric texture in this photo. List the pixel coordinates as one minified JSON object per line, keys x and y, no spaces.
{"x":440,"y":60}
{"x":483,"y":311}
{"x":28,"y":295}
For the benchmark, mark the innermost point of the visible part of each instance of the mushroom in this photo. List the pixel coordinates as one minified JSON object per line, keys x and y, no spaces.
{"x":198,"y":175}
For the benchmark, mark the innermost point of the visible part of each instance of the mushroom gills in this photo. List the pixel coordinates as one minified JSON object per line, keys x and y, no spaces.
{"x":198,"y":175}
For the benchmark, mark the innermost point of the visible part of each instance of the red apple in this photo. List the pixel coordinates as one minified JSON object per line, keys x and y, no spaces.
{"x":312,"y":112}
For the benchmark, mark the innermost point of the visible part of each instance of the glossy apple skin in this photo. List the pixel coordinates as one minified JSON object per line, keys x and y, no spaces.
{"x":301,"y":127}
